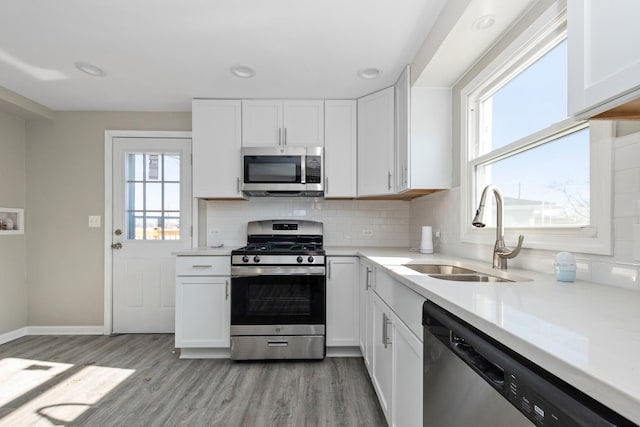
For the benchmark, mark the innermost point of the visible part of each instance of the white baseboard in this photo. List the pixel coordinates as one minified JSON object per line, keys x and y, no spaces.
{"x":205,"y":353}
{"x":344,"y":352}
{"x":13,"y":335}
{"x":65,"y":330}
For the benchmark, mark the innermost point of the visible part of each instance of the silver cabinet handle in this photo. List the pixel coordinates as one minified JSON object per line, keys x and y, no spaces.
{"x":389,"y":180}
{"x":285,"y":136}
{"x":279,"y":136}
{"x":367,"y":283}
{"x":326,"y":185}
{"x":238,"y":185}
{"x":277,"y":343}
{"x":226,"y":289}
{"x":384,"y":330}
{"x":329,"y":270}
{"x":387,"y":323}
{"x":201,"y":265}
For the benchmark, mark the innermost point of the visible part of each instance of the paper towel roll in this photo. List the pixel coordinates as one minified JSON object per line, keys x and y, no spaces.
{"x":426,"y":243}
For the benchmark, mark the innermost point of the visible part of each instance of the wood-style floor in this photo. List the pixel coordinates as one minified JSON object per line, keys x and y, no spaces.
{"x":138,"y":380}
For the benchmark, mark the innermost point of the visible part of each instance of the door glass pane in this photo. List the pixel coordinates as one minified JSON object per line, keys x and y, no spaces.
{"x":533,"y":100}
{"x":152,"y":206}
{"x":556,"y":195}
{"x":172,"y":167}
{"x":172,"y":197}
{"x":154,"y":196}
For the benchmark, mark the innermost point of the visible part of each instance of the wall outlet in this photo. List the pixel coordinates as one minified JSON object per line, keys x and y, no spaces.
{"x":94,"y":221}
{"x":367,"y":233}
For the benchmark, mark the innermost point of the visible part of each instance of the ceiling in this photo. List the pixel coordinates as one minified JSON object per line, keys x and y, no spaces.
{"x":159,"y":54}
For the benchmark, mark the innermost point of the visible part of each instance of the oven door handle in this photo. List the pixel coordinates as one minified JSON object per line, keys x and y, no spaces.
{"x":254,"y":271}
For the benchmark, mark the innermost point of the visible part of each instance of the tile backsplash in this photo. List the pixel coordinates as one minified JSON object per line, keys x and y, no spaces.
{"x":346,"y":223}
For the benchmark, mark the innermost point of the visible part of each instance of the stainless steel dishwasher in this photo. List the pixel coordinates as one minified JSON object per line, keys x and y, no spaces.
{"x":472,"y":380}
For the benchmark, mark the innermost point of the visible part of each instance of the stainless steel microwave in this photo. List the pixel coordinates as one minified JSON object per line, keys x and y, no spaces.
{"x":282,"y":171}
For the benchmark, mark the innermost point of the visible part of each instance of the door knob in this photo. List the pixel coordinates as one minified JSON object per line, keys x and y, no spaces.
{"x":117,"y":232}
{"x":116,"y":246}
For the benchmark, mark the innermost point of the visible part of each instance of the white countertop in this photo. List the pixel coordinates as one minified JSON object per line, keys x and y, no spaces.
{"x":584,"y":333}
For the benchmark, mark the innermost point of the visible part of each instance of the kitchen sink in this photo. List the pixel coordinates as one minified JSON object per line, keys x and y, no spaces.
{"x":478,"y":277}
{"x":439,"y":269}
{"x":460,"y":274}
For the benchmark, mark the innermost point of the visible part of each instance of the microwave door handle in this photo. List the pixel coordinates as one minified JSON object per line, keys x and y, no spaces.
{"x":303,"y":170}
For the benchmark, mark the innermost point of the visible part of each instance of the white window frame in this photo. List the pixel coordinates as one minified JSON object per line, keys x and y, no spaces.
{"x":546,"y":31}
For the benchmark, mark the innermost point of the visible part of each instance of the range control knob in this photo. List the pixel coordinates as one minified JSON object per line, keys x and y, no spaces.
{"x":310,"y":259}
{"x":256,"y":258}
{"x":245,"y":258}
{"x":299,"y":259}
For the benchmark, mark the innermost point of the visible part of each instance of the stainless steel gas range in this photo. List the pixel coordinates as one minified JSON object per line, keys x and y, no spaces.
{"x":278,"y":292}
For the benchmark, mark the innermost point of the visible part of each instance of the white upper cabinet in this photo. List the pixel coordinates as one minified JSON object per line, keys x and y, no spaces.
{"x":423,"y":136}
{"x":340,"y":144}
{"x":216,"y":142}
{"x":376,"y":134}
{"x":604,"y":56}
{"x":297,"y":123}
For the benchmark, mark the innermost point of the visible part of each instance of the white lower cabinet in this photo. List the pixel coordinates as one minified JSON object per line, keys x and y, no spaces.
{"x":342,"y":302}
{"x":394,"y":350}
{"x":202,"y":302}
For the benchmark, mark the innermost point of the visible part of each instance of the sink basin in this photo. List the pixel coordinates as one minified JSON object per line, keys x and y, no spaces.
{"x":459,"y":274}
{"x":439,"y":269}
{"x":469,"y":277}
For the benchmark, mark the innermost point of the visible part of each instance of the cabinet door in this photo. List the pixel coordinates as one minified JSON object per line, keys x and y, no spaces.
{"x":303,"y":123}
{"x":202,"y":312}
{"x":376,"y":134}
{"x":604,"y":69}
{"x":403,"y":126}
{"x":407,"y":376}
{"x":216,"y":141}
{"x":262,"y":123}
{"x":366,"y":330}
{"x":382,"y":354}
{"x":342,"y":301}
{"x":340,"y":144}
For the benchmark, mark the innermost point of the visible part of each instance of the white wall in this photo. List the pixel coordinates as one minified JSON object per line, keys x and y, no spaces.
{"x":65,"y":184}
{"x":344,"y":221}
{"x":442,"y":211}
{"x":13,"y":282}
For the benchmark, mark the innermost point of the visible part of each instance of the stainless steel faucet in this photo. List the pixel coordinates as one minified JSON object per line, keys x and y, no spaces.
{"x":500,"y":251}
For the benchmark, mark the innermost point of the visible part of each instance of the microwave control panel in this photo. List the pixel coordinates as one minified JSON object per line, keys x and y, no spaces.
{"x":313,"y":170}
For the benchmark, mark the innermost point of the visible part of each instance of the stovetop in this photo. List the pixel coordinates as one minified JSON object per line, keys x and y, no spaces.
{"x":274,"y":248}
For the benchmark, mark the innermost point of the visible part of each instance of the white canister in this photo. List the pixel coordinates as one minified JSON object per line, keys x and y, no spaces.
{"x":426,"y":243}
{"x":8,"y":224}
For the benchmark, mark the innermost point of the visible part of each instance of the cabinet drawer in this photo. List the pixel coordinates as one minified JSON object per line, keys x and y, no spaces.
{"x":203,"y":266}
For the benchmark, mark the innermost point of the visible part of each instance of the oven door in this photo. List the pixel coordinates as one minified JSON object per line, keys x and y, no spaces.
{"x":278,"y":300}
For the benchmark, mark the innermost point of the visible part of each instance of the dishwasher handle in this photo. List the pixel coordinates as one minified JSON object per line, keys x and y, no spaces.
{"x":490,"y":371}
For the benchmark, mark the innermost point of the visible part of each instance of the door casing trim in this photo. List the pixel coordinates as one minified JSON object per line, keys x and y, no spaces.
{"x":109,"y":135}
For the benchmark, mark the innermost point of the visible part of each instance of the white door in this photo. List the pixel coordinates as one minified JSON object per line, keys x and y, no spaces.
{"x":151,"y":219}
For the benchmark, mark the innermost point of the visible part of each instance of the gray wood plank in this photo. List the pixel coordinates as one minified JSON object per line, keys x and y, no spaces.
{"x":139,"y":380}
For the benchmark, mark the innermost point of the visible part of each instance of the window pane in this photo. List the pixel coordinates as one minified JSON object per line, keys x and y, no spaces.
{"x":533,"y":100}
{"x":154,"y":167}
{"x":545,"y":186}
{"x":154,"y":226}
{"x":172,"y":167}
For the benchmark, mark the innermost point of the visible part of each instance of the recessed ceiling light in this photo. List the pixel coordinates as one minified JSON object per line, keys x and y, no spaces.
{"x":369,"y":73}
{"x":484,"y":22}
{"x":92,"y":70}
{"x":243,"y":71}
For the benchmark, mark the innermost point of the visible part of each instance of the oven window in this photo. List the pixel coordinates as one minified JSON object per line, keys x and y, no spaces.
{"x":268,"y":169}
{"x":273,"y":300}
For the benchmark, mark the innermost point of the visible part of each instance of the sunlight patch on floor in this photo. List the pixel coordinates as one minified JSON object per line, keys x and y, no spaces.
{"x":19,"y":376}
{"x":63,"y":402}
